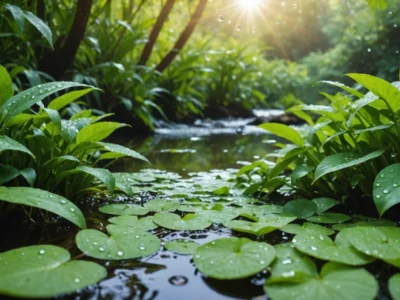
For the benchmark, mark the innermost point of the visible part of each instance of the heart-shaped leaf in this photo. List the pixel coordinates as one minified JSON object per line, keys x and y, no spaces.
{"x":44,"y":271}
{"x":387,"y":188}
{"x":96,"y":244}
{"x":175,"y":222}
{"x":257,"y":211}
{"x":124,"y":210}
{"x":182,"y":246}
{"x":130,"y":224}
{"x":323,"y":204}
{"x":233,"y":258}
{"x":329,"y":218}
{"x":394,"y":286}
{"x":161,"y":205}
{"x":301,"y":208}
{"x":219,"y":215}
{"x":307,"y":228}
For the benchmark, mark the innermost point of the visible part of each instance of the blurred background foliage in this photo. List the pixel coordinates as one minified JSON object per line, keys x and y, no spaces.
{"x":183,"y":59}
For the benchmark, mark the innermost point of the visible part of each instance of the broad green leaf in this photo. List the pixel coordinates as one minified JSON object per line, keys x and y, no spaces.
{"x":387,"y":188}
{"x":30,"y":175}
{"x":6,"y":89}
{"x":66,"y":99}
{"x":175,"y":222}
{"x":45,"y":271}
{"x":322,"y":247}
{"x":124,"y":209}
{"x":44,"y":200}
{"x":300,"y":171}
{"x":342,"y":161}
{"x":182,"y":246}
{"x":285,"y":132}
{"x":222,"y":191}
{"x":323,"y":204}
{"x":18,"y":15}
{"x":307,"y":228}
{"x":258,"y":211}
{"x":117,"y":151}
{"x":233,"y":258}
{"x":161,"y":205}
{"x":96,"y":244}
{"x":335,"y":282}
{"x":329,"y":218}
{"x":371,"y":222}
{"x":130,"y":223}
{"x":255,"y":165}
{"x":291,"y":265}
{"x":344,"y":87}
{"x":40,"y":26}
{"x":7,"y":143}
{"x":97,"y":132}
{"x":301,"y":208}
{"x":103,"y":175}
{"x":218,"y":216}
{"x":394,"y":286}
{"x":7,"y":173}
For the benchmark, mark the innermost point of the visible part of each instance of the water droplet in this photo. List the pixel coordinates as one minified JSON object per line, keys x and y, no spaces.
{"x":286,"y":261}
{"x":120,"y":253}
{"x":142,"y":248}
{"x":220,"y":18}
{"x":378,"y":196}
{"x":178,"y":280}
{"x":72,"y":209}
{"x":137,"y":236}
{"x":102,"y":249}
{"x":212,"y":262}
{"x":313,"y":248}
{"x":77,"y":280}
{"x":378,"y":184}
{"x":385,"y":191}
{"x":41,"y":251}
{"x":288,"y":274}
{"x":395,"y":184}
{"x":262,"y":262}
{"x":95,"y":243}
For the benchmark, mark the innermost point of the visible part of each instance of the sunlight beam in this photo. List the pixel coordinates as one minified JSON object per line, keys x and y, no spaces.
{"x":250,"y":4}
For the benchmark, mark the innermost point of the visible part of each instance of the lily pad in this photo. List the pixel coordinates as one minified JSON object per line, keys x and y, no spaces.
{"x":301,"y":208}
{"x":96,"y":244}
{"x":323,"y":204}
{"x":251,"y":211}
{"x":335,"y":282}
{"x":233,"y":258}
{"x":181,"y":246}
{"x":124,"y":209}
{"x":291,"y":265}
{"x":306,"y":228}
{"x":130,"y":224}
{"x":367,"y":222}
{"x":394,"y":286}
{"x":387,"y":188}
{"x":329,"y":218}
{"x":175,"y":222}
{"x":45,"y":271}
{"x":322,"y":247}
{"x":219,"y":214}
{"x":380,"y":242}
{"x":160,"y":205}
{"x":263,"y":226}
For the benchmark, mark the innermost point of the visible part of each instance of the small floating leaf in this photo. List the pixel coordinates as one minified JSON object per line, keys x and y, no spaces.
{"x":387,"y":188}
{"x":130,"y":224}
{"x":182,"y":246}
{"x":307,"y":228}
{"x":233,"y":258}
{"x":394,"y":286}
{"x":45,"y":271}
{"x":161,"y":205}
{"x":124,"y":210}
{"x":323,"y":204}
{"x":301,"y":208}
{"x":222,"y":191}
{"x":175,"y":222}
{"x":329,"y":218}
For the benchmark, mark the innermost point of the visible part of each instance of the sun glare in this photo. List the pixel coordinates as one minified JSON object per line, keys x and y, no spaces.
{"x":250,"y":4}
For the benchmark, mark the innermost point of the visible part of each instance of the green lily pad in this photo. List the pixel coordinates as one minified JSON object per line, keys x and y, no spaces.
{"x":335,"y":282}
{"x":181,"y":246}
{"x":394,"y":286}
{"x":329,"y":218}
{"x":96,"y":244}
{"x":301,"y":208}
{"x":323,"y":204}
{"x":130,"y":224}
{"x":380,"y":242}
{"x":45,"y":271}
{"x":291,"y":265}
{"x":219,"y":214}
{"x":160,"y":205}
{"x":387,"y":188}
{"x":175,"y":222}
{"x":233,"y":258}
{"x":124,"y":210}
{"x":263,"y":226}
{"x":368,"y":222}
{"x":310,"y":228}
{"x":222,"y":191}
{"x":322,"y":247}
{"x":257,"y":211}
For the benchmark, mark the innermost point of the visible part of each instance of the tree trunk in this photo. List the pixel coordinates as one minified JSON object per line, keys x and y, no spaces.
{"x":61,"y":58}
{"x":180,"y":43}
{"x":155,"y":32}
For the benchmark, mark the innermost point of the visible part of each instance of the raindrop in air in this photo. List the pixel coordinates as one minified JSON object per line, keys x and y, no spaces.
{"x":220,"y":18}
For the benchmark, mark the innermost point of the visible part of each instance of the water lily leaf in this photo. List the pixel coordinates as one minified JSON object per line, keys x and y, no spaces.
{"x":222,"y":191}
{"x":175,"y":222}
{"x":96,"y":244}
{"x":130,"y":224}
{"x":291,"y":265}
{"x":342,"y":161}
{"x":161,"y":205}
{"x":380,"y":242}
{"x":301,"y":208}
{"x":387,"y":188}
{"x":263,"y":226}
{"x":335,"y":282}
{"x":44,"y":200}
{"x":257,"y":211}
{"x":394,"y":286}
{"x":182,"y":246}
{"x":307,"y":228}
{"x":124,"y":209}
{"x":45,"y":271}
{"x":323,"y":204}
{"x":218,"y":216}
{"x":285,"y":132}
{"x":368,"y":222}
{"x":322,"y":247}
{"x":329,"y":218}
{"x":233,"y":258}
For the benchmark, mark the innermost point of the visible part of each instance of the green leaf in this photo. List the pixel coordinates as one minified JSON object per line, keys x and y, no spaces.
{"x":7,"y":143}
{"x":342,"y":161}
{"x":7,"y":173}
{"x":24,"y":270}
{"x":301,"y":208}
{"x":233,"y":258}
{"x":44,"y":200}
{"x":161,"y":205}
{"x":124,"y":210}
{"x":130,"y":224}
{"x":182,"y":246}
{"x":258,"y":211}
{"x":285,"y":132}
{"x":40,"y":26}
{"x":323,"y":204}
{"x":97,"y":132}
{"x":322,"y":247}
{"x":329,"y":218}
{"x":377,"y":4}
{"x":64,"y":100}
{"x":96,"y":244}
{"x":364,"y":222}
{"x":307,"y":228}
{"x":103,"y":175}
{"x":222,"y":191}
{"x":175,"y":222}
{"x":6,"y":89}
{"x":344,"y":87}
{"x":387,"y":188}
{"x":30,"y":175}
{"x":394,"y":286}
{"x":18,"y":15}
{"x":117,"y":151}
{"x":335,"y":282}
{"x":220,"y":215}
{"x":300,"y":171}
